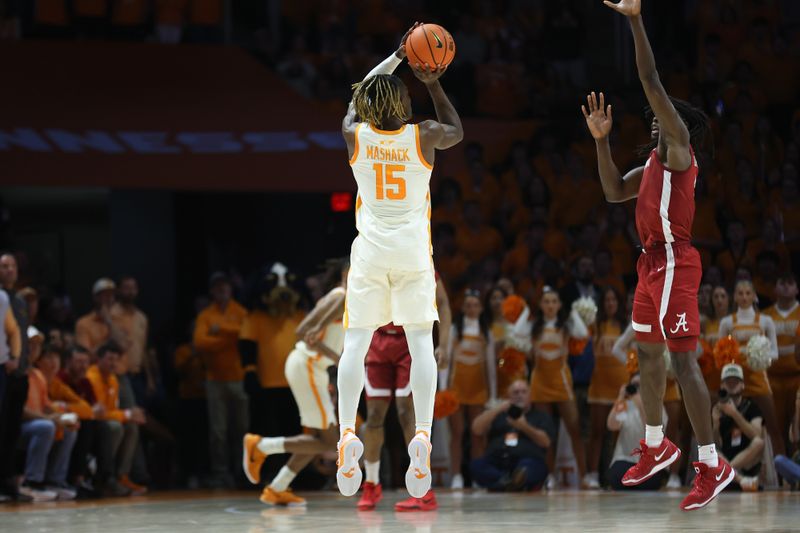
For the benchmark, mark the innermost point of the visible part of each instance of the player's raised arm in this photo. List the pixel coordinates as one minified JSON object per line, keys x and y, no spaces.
{"x":615,"y":187}
{"x":387,"y":66}
{"x":671,"y":126}
{"x":446,"y":131}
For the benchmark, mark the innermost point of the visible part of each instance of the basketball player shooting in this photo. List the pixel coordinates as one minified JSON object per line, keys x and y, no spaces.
{"x":391,"y":277}
{"x":669,"y":269}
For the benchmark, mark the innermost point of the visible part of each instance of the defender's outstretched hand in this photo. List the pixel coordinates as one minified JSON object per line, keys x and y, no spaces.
{"x":629,"y":8}
{"x":427,"y":74}
{"x":401,"y":50}
{"x":598,"y":117}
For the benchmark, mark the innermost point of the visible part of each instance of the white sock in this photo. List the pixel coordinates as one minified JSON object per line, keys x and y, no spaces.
{"x":423,"y":374}
{"x":272,"y":445}
{"x":708,"y":455}
{"x":283,"y":479}
{"x":653,"y":435}
{"x":350,"y":377}
{"x":373,"y":471}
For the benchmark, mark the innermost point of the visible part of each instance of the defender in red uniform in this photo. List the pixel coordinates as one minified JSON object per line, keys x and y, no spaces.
{"x":665,"y":304}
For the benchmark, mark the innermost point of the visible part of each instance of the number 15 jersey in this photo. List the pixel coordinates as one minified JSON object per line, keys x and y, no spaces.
{"x":393,"y":206}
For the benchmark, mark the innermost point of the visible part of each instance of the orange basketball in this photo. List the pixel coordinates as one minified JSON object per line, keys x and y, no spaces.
{"x":431,"y":44}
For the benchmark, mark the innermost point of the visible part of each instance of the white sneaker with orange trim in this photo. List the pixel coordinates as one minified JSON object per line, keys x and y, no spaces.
{"x":348,"y":473}
{"x":418,"y":476}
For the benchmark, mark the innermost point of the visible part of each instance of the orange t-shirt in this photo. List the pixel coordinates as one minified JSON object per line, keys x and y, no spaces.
{"x":275,"y":337}
{"x":479,"y":244}
{"x":91,"y":331}
{"x":106,"y":392}
{"x":191,"y":373}
{"x":222,"y":348}
{"x":38,"y":400}
{"x":61,"y":392}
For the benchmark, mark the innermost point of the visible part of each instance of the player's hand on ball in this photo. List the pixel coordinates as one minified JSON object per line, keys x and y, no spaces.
{"x":629,"y":8}
{"x":598,"y":117}
{"x":428,"y":74}
{"x":401,"y":50}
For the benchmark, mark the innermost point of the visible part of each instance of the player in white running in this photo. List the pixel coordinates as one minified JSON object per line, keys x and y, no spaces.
{"x":391,"y":276}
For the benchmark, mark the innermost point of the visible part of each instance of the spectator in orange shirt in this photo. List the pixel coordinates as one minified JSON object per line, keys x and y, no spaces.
{"x":267,"y":338}
{"x":133,"y":323}
{"x":769,"y":242}
{"x":604,"y":275}
{"x":93,"y":438}
{"x":44,"y":422}
{"x":450,"y":261}
{"x":476,"y":239}
{"x":449,"y":209}
{"x":518,"y":260}
{"x":735,"y":255}
{"x":121,"y":426}
{"x":765,"y":278}
{"x":97,"y":327}
{"x":216,"y":334}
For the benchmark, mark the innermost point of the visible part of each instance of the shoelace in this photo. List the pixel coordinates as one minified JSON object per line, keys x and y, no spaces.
{"x":697,"y":479}
{"x":638,"y":451}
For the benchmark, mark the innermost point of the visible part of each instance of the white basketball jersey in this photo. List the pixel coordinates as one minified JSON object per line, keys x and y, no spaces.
{"x":393,"y":206}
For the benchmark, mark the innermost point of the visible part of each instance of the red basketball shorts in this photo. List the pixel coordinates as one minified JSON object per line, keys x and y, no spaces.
{"x":665,"y":303}
{"x":388,"y":366}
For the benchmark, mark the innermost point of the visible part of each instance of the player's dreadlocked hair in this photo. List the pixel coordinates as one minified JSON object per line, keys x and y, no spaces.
{"x":696,"y":121}
{"x":378,"y":98}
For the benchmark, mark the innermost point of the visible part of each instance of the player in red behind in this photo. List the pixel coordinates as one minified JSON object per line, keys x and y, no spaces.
{"x":388,"y":374}
{"x":669,"y":269}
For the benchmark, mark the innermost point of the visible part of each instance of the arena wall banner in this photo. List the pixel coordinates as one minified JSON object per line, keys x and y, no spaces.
{"x":154,"y":116}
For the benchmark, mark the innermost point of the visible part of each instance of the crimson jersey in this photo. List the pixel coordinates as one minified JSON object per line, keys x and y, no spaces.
{"x":665,"y":206}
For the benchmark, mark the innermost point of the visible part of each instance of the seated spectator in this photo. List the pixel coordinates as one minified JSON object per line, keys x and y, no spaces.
{"x":738,"y":428}
{"x":786,"y":467}
{"x":518,"y":440}
{"x":627,"y":417}
{"x":48,"y":433}
{"x":122,"y":426}
{"x":95,"y":436}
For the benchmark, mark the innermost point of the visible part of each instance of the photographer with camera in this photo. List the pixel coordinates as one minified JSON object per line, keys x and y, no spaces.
{"x":627,"y":417}
{"x":738,"y":431}
{"x":518,"y":439}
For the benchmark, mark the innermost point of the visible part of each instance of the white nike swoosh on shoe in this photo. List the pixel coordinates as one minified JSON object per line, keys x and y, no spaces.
{"x":720,"y":474}
{"x":658,"y":457}
{"x":659,"y":467}
{"x":719,"y":489}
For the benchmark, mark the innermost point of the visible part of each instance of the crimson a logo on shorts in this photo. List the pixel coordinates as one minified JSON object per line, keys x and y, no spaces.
{"x":681,"y":325}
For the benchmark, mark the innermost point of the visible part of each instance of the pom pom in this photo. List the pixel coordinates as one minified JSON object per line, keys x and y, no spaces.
{"x":512,"y":308}
{"x":632,"y":364}
{"x":727,"y":351}
{"x":706,"y":359}
{"x":757,"y":351}
{"x":577,"y":346}
{"x":445,"y":404}
{"x":511,"y":363}
{"x":586,"y":309}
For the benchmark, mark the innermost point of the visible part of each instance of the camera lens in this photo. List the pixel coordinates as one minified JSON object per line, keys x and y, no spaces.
{"x":631,"y":389}
{"x":723,"y":394}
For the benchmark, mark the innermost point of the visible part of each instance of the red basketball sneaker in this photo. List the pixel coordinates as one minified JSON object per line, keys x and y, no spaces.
{"x":370,"y":496}
{"x":707,"y":484}
{"x":426,"y":503}
{"x":651,"y":462}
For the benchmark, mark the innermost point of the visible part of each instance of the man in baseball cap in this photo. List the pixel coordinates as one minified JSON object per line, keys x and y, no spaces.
{"x":737,"y":424}
{"x":96,"y":327}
